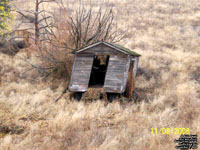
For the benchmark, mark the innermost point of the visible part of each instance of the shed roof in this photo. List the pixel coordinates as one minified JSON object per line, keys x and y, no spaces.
{"x":115,"y":46}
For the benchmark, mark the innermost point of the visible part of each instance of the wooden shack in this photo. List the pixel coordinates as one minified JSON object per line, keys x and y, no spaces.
{"x":103,"y":65}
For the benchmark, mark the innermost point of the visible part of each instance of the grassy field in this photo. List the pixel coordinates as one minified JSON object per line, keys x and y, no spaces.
{"x":167,"y":35}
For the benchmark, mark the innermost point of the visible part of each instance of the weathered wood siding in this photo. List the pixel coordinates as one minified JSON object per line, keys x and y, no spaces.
{"x":117,"y":74}
{"x":102,"y":49}
{"x":81,"y":71}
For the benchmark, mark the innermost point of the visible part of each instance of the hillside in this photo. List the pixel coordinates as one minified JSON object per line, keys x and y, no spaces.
{"x":167,"y":35}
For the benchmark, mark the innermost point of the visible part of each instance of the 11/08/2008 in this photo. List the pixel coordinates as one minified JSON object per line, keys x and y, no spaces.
{"x":170,"y":131}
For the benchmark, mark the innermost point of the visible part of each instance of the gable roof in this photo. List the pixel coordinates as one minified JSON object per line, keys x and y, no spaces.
{"x":115,"y":46}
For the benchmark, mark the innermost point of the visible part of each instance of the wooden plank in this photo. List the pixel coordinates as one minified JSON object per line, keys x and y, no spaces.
{"x":112,"y":89}
{"x":83,"y":58}
{"x":113,"y":81}
{"x":117,"y":74}
{"x":115,"y":69}
{"x":78,"y":79}
{"x":78,"y":88}
{"x":102,"y":49}
{"x":74,"y":62}
{"x":82,"y":69}
{"x":75,"y":82}
{"x":120,"y":62}
{"x":84,"y":74}
{"x":130,"y":83}
{"x":84,"y":55}
{"x":78,"y":83}
{"x":117,"y":77}
{"x":83,"y":66}
{"x":80,"y":62}
{"x":81,"y":73}
{"x":113,"y":84}
{"x":118,"y":65}
{"x":104,"y":53}
{"x":119,"y":58}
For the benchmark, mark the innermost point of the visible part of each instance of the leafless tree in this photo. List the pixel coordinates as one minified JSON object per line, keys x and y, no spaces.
{"x":37,"y":20}
{"x":38,"y":17}
{"x":87,"y":26}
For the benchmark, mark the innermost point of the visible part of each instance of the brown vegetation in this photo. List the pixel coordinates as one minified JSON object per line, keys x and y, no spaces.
{"x":166,"y":34}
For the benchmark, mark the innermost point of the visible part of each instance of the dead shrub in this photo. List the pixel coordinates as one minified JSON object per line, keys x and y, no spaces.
{"x":93,"y":94}
{"x":70,"y":31}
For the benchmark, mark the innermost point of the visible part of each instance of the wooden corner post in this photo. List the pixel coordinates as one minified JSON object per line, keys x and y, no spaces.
{"x":131,"y":82}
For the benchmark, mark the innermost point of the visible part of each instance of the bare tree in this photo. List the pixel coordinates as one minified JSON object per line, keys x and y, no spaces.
{"x":38,"y":17}
{"x":88,"y":26}
{"x":37,"y":20}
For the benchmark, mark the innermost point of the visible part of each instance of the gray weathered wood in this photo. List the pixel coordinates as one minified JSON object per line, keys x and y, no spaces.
{"x":117,"y":71}
{"x":101,"y":49}
{"x":81,"y":73}
{"x":117,"y":74}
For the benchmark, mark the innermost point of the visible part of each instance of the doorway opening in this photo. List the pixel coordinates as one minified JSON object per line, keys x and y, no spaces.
{"x":99,"y":69}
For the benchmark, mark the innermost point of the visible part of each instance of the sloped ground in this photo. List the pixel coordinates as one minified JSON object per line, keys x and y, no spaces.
{"x":166,"y":34}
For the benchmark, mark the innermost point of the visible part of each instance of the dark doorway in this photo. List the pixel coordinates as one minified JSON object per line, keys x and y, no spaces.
{"x":98,"y":71}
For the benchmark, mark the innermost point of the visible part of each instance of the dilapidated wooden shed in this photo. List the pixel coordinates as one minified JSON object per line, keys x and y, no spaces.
{"x":103,"y":65}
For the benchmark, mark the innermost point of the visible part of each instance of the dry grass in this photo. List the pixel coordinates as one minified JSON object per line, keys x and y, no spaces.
{"x":165,"y":32}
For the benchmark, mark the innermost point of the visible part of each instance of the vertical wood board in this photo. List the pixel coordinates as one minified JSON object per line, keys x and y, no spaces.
{"x":117,"y":74}
{"x":80,"y":76}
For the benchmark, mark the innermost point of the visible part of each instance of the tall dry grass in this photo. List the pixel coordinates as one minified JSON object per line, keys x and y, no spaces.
{"x":166,"y":34}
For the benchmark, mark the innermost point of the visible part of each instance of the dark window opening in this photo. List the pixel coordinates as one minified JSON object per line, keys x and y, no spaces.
{"x":98,"y":71}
